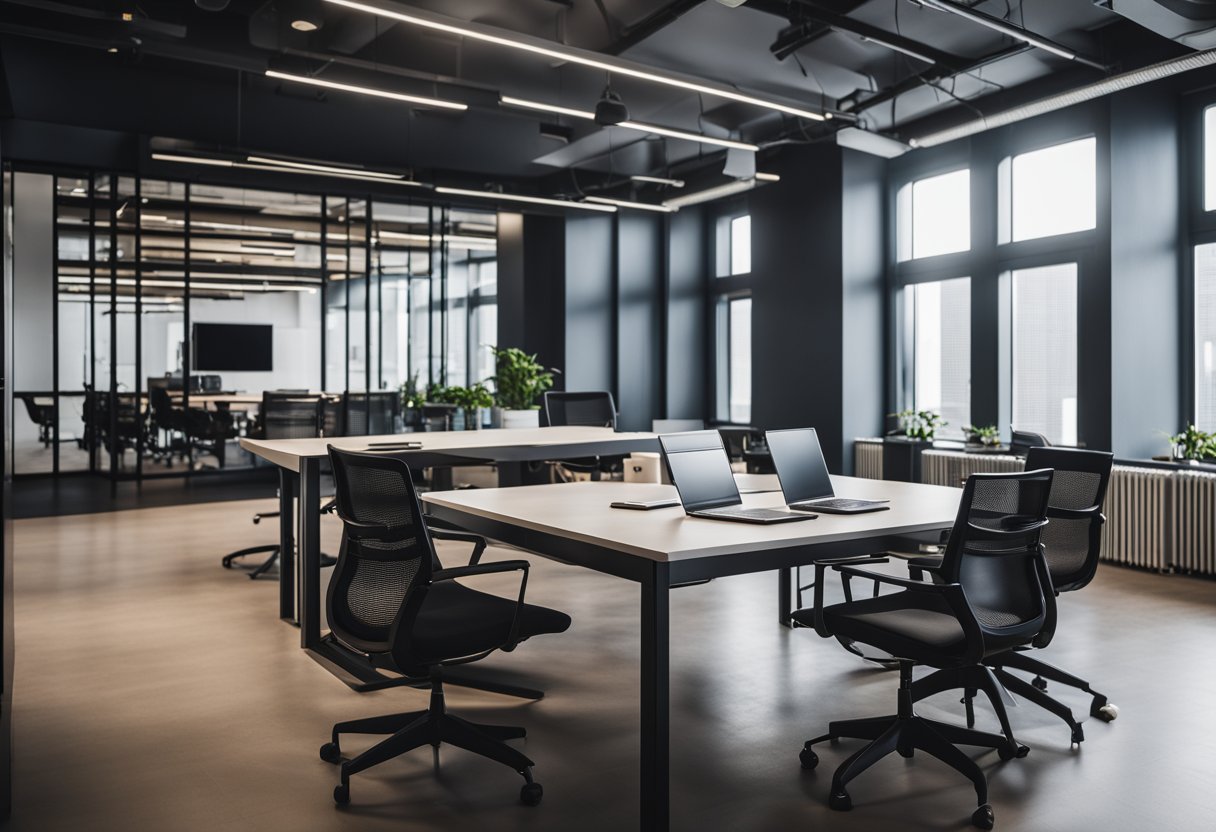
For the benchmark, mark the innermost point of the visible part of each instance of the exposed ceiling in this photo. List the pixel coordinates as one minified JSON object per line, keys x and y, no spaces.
{"x":178,"y":71}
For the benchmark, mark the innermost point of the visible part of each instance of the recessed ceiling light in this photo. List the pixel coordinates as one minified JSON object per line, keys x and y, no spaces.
{"x":304,"y":26}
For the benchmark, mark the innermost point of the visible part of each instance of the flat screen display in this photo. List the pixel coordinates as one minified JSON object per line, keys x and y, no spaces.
{"x":232,"y":347}
{"x":700,"y":469}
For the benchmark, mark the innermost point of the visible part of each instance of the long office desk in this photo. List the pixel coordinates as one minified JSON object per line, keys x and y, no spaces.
{"x":299,"y":462}
{"x":658,"y":549}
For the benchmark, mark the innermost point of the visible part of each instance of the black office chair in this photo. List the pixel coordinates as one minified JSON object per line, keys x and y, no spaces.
{"x":586,"y":409}
{"x":282,"y":416}
{"x":42,"y":415}
{"x":391,"y":601}
{"x":1072,"y":544}
{"x":994,"y":595}
{"x":1021,"y":441}
{"x":369,"y":414}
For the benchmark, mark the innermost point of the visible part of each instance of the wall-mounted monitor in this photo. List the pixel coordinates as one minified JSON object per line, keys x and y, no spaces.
{"x":232,"y":348}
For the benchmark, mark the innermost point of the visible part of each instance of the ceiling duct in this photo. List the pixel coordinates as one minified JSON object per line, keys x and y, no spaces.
{"x":1189,"y":22}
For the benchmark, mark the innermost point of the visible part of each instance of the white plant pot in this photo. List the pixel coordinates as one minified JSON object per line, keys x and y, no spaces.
{"x":521,"y":418}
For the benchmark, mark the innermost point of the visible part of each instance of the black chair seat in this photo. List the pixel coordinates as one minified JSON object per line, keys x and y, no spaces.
{"x":456,"y":621}
{"x":916,"y":626}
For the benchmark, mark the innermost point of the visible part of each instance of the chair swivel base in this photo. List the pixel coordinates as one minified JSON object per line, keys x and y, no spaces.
{"x":433,"y":727}
{"x":1035,"y":690}
{"x":905,"y":733}
{"x":270,"y":562}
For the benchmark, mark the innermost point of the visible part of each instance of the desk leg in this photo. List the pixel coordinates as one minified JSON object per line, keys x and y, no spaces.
{"x":310,"y":553}
{"x":656,"y":763}
{"x":785,"y":591}
{"x":288,"y":484}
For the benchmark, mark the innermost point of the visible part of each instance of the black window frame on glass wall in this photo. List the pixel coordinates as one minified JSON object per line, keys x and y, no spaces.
{"x":1200,"y":230}
{"x":989,"y":264}
{"x":723,"y":289}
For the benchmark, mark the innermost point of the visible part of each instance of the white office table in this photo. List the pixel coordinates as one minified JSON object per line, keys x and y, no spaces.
{"x":299,"y":462}
{"x":658,"y":549}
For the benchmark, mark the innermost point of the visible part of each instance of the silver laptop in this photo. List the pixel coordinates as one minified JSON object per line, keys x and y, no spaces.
{"x":804,"y":477}
{"x":700,"y":470}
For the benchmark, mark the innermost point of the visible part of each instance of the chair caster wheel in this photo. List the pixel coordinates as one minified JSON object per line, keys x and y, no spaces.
{"x":840,"y":801}
{"x":808,"y":758}
{"x":983,"y":817}
{"x":1107,"y":713}
{"x":1078,"y":735}
{"x":1039,"y":682}
{"x":330,"y":753}
{"x":1007,"y":752}
{"x":342,"y":794}
{"x":530,"y":794}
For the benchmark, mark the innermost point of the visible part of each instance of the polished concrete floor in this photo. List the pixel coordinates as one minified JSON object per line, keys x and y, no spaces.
{"x":156,"y":691}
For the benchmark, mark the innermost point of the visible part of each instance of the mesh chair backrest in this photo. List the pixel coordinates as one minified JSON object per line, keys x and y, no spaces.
{"x":386,"y":552}
{"x":993,"y":549}
{"x":290,"y":416}
{"x":369,"y":414}
{"x":590,"y":409}
{"x":1072,"y":541}
{"x":333,"y":416}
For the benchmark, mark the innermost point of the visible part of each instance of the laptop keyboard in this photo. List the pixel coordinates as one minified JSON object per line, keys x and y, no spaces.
{"x":834,"y":502}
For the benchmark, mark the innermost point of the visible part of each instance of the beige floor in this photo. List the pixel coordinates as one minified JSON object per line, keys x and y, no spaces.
{"x":155,"y":691}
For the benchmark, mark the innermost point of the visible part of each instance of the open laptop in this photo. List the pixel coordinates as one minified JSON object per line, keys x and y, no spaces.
{"x":700,"y":470}
{"x":804,"y":477}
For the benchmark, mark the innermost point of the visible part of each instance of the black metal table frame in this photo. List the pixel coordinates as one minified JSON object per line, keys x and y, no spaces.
{"x":656,"y":580}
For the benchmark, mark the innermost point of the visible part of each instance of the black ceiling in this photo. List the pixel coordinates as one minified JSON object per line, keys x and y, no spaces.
{"x":182,"y":72}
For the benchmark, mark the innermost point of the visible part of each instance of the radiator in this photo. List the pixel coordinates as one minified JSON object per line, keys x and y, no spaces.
{"x":1194,"y":539}
{"x":867,"y":458}
{"x":953,"y":467}
{"x":1138,"y":529}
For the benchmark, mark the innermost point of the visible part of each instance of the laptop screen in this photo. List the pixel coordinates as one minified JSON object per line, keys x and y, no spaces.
{"x":800,"y":465}
{"x":700,"y":469}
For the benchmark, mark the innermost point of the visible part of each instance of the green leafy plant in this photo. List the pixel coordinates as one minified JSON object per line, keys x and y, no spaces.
{"x":921,"y":424}
{"x":519,"y":379}
{"x":988,"y":435}
{"x":411,"y":396}
{"x":469,"y":398}
{"x":1194,"y":443}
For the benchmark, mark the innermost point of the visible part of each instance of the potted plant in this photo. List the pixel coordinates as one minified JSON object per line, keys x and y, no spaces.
{"x":469,"y":403}
{"x":1193,"y":444}
{"x":519,"y":380}
{"x":988,"y":436}
{"x":921,"y":425}
{"x":440,"y":413}
{"x":411,"y":402}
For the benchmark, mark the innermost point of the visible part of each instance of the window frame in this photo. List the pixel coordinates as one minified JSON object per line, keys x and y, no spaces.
{"x":722,"y":289}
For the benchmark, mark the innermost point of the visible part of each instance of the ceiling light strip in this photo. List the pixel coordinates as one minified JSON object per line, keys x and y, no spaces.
{"x":266,"y":160}
{"x":378,"y":93}
{"x":1116,"y":83}
{"x":716,"y":192}
{"x":1006,"y":28}
{"x":538,"y":200}
{"x":587,"y":115}
{"x":484,"y":34}
{"x":281,"y":166}
{"x":659,"y":180}
{"x":624,"y":203}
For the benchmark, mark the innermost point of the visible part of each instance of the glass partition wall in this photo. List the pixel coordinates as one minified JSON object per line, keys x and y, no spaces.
{"x":175,"y":305}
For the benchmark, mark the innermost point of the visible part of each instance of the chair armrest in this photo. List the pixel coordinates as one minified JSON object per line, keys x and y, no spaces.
{"x":479,"y":542}
{"x":1073,"y":514}
{"x":491,"y":569}
{"x":906,"y":583}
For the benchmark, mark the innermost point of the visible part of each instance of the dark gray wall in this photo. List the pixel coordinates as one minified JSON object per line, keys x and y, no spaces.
{"x":590,"y":303}
{"x":1145,"y":182}
{"x":687,"y":316}
{"x":640,"y":293}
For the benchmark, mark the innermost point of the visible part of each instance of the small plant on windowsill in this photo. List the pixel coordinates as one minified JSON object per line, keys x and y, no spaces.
{"x":921,"y":425}
{"x":988,"y":435}
{"x":1193,"y":444}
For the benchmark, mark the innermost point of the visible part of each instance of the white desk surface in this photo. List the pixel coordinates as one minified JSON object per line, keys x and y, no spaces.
{"x":581,"y":512}
{"x":287,"y":453}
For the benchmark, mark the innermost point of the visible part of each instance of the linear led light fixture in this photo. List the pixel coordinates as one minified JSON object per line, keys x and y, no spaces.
{"x":716,"y":192}
{"x":895,"y":47}
{"x":458,"y":240}
{"x":395,"y":96}
{"x":194,"y":284}
{"x":282,"y":166}
{"x":273,"y":252}
{"x":538,"y":47}
{"x":1005,"y":28}
{"x":539,"y":200}
{"x":761,"y":176}
{"x":587,"y":115}
{"x":659,"y":180}
{"x":624,"y":203}
{"x":1115,"y":83}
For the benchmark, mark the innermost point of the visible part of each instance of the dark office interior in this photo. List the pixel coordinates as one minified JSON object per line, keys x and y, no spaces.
{"x":555,"y":415}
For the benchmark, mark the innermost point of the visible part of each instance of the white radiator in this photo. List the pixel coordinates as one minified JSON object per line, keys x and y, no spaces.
{"x":953,"y":467}
{"x":867,"y":458}
{"x":1138,"y":517}
{"x":1194,"y":540}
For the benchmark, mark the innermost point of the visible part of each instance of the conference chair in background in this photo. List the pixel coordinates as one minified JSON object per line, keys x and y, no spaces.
{"x":391,"y":602}
{"x":993,"y":594}
{"x":593,"y":409}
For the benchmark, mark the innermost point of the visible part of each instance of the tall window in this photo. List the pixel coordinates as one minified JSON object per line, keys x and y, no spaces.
{"x":934,"y":216}
{"x":1209,"y":158}
{"x":733,"y":246}
{"x":939,"y":317}
{"x":1205,"y":336}
{"x":733,"y":319}
{"x":1045,"y":351}
{"x":1049,"y":191}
